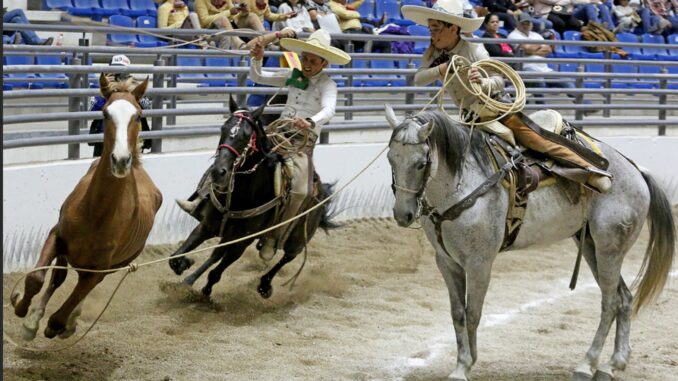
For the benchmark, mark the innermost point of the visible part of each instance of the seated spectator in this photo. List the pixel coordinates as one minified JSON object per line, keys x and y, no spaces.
{"x":318,"y":8}
{"x":627,"y":18}
{"x":492,"y":31}
{"x":219,"y":14}
{"x":350,"y":22}
{"x":98,"y":102}
{"x":650,"y":23}
{"x":29,"y":37}
{"x":504,"y":9}
{"x":561,"y":15}
{"x":301,"y":22}
{"x":534,"y":49}
{"x":593,"y":10}
{"x":262,"y":11}
{"x":667,"y":11}
{"x":174,"y":14}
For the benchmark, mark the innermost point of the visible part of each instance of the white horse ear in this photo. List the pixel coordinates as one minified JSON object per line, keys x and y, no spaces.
{"x":426,"y":130}
{"x":391,"y":117}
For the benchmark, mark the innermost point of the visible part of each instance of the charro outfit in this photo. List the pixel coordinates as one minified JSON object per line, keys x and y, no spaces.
{"x":450,"y":11}
{"x":316,"y":103}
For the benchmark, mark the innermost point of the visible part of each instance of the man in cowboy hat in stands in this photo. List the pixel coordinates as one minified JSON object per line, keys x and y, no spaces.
{"x":311,"y":100}
{"x":447,"y":23}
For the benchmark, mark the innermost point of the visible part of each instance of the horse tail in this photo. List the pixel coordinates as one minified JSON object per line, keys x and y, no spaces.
{"x":660,"y":250}
{"x":328,"y":210}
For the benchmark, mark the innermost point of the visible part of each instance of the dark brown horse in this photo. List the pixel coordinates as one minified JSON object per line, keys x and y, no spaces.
{"x":104,"y":222}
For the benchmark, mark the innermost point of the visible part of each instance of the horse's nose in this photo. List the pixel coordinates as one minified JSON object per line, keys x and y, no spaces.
{"x":403,"y":219}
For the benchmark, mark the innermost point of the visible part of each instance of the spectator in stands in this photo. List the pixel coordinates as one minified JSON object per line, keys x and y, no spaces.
{"x":560,"y":13}
{"x":350,"y":21}
{"x":534,"y":49}
{"x":650,"y":23}
{"x":492,"y":31}
{"x":627,"y":18}
{"x":173,"y":14}
{"x":318,"y":8}
{"x":29,"y":37}
{"x":505,"y":10}
{"x":446,"y":26}
{"x":667,"y":10}
{"x":593,"y":10}
{"x":98,"y":102}
{"x":301,"y":22}
{"x":220,"y":13}
{"x":261,"y":9}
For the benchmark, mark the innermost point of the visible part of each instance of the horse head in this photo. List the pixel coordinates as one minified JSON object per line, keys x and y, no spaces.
{"x":122,"y":115}
{"x":241,"y":135}
{"x":410,"y":157}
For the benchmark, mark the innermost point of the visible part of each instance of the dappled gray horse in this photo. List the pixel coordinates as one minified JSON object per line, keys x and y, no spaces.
{"x":426,"y":153}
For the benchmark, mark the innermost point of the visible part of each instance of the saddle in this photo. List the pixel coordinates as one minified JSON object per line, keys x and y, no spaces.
{"x":531,"y":170}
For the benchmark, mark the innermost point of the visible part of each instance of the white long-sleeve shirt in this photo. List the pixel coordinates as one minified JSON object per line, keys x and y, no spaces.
{"x":299,"y":22}
{"x":318,"y":101}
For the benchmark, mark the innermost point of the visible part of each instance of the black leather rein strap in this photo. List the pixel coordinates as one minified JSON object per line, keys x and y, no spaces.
{"x":467,"y":202}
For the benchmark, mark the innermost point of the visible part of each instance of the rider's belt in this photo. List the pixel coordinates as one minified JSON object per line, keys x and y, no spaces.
{"x":586,"y":154}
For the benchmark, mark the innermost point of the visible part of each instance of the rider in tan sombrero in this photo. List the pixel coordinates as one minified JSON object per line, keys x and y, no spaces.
{"x":447,"y":23}
{"x":311,"y":101}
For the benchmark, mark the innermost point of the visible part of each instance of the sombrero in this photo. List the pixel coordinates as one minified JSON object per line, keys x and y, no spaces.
{"x":318,"y":43}
{"x":449,"y":11}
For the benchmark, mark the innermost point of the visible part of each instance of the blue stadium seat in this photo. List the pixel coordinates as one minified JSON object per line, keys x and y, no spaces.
{"x":419,"y":3}
{"x":366,"y":9}
{"x":630,"y":70}
{"x":120,"y":7}
{"x":146,"y":40}
{"x":190,"y":61}
{"x":63,"y":5}
{"x":672,"y":54}
{"x":634,"y":52}
{"x":89,"y":8}
{"x":392,"y":10}
{"x":121,"y":39}
{"x":6,"y":40}
{"x":56,"y":80}
{"x":653,"y":39}
{"x":673,"y":83}
{"x":21,"y":60}
{"x":360,"y":80}
{"x":219,"y":79}
{"x":147,"y":6}
{"x":418,"y":30}
{"x":384,"y":79}
{"x":647,"y":83}
{"x":594,"y":83}
{"x":580,"y":50}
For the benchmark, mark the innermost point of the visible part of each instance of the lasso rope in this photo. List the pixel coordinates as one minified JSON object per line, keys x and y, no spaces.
{"x":133,"y":266}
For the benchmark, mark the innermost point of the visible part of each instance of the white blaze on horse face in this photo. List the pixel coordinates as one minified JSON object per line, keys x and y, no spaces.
{"x":121,"y":112}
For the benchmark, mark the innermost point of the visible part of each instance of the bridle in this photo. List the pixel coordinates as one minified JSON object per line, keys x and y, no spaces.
{"x":251,"y":146}
{"x":418,"y":193}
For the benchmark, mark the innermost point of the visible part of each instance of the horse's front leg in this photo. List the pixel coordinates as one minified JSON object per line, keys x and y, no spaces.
{"x":32,"y":321}
{"x":455,"y":279}
{"x":35,"y":280}
{"x":265,"y":289}
{"x":199,"y":235}
{"x":57,"y":322}
{"x":232,"y":254}
{"x":216,"y":255}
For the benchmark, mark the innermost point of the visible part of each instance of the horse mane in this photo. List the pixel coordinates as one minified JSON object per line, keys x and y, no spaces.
{"x":451,"y":139}
{"x":126,"y":86}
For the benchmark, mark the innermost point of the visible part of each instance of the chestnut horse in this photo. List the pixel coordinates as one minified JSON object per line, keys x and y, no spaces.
{"x":104,"y":222}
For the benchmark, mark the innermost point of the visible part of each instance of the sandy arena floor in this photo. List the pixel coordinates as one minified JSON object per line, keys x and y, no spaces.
{"x":370,"y":305}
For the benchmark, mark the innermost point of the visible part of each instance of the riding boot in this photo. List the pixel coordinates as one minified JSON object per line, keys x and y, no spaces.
{"x":279,"y":237}
{"x":191,"y":204}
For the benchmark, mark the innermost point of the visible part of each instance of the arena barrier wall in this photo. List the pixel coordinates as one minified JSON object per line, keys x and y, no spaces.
{"x":33,"y":194}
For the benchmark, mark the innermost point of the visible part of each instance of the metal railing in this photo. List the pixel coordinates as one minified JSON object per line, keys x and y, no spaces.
{"x":165,"y":77}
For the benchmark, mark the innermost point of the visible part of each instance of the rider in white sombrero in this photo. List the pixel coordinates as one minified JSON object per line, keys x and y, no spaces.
{"x":446,"y":22}
{"x":311,"y":102}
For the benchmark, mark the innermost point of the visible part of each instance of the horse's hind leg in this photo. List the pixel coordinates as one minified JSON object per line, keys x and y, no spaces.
{"x":58,"y":321}
{"x":622,"y":347}
{"x":35,"y":279}
{"x":231,"y":254}
{"x":265,"y":289}
{"x":32,"y":321}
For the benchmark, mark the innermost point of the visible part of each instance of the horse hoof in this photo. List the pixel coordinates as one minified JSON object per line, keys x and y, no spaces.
{"x":50,"y":333}
{"x":28,"y":333}
{"x":207,"y":291}
{"x":179,"y":265}
{"x":67,"y":333}
{"x":16,"y":296}
{"x":602,"y":376}
{"x":581,"y":376}
{"x":265,"y":292}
